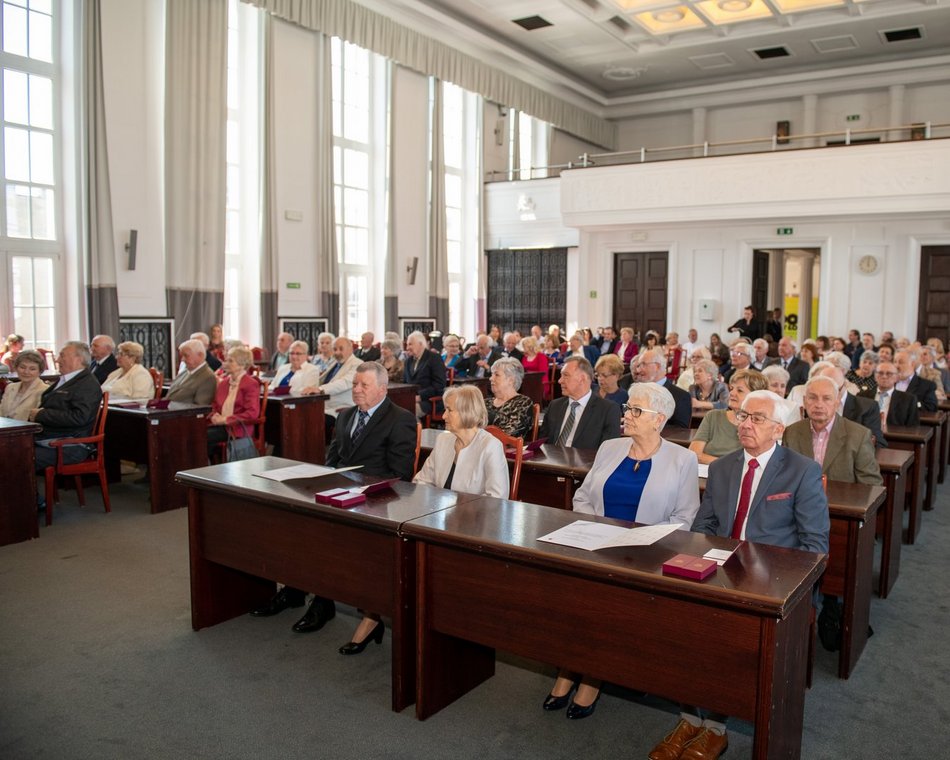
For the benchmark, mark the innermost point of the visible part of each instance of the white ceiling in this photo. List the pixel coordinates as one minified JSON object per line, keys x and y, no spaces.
{"x":705,"y":47}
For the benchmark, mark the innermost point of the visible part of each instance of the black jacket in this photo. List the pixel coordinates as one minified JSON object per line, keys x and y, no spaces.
{"x":599,"y":422}
{"x":925,"y":391}
{"x":386,"y":447}
{"x":428,"y":372}
{"x":70,"y":410}
{"x":102,"y":370}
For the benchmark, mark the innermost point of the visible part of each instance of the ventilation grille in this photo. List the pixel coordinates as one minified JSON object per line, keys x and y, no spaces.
{"x":712,"y":61}
{"x":620,"y":22}
{"x":903,"y":35}
{"x":530,"y":23}
{"x":765,"y":54}
{"x":835,"y":44}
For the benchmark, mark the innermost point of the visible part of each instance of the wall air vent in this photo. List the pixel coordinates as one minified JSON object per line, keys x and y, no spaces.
{"x":620,"y":22}
{"x":903,"y":35}
{"x":530,"y":23}
{"x":764,"y":54}
{"x":835,"y":44}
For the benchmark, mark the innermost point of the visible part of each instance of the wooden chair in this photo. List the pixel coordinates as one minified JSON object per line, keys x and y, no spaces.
{"x":517,"y":444}
{"x":449,"y":376}
{"x":674,"y":365}
{"x":258,"y":354}
{"x":415,"y":462}
{"x":50,"y":358}
{"x":437,"y":414}
{"x":157,"y":379}
{"x":95,"y":465}
{"x":534,"y":426}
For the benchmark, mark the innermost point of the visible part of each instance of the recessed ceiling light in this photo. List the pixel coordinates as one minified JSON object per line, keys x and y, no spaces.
{"x":670,"y":16}
{"x":734,"y":6}
{"x":623,"y":73}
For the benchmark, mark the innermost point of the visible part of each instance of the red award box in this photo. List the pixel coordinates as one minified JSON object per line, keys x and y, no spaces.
{"x":347,"y":499}
{"x":323,"y":497}
{"x":688,"y":566}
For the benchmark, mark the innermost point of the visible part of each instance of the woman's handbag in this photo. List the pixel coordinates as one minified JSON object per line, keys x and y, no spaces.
{"x":241,"y":448}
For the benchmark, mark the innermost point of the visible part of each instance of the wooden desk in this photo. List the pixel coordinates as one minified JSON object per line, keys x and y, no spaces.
{"x":18,"y":521}
{"x":404,"y":395}
{"x":914,"y":439}
{"x":295,"y":426}
{"x":853,"y":508}
{"x":484,"y":583}
{"x":247,"y":532}
{"x":682,"y":436}
{"x":167,"y":440}
{"x":895,"y":465}
{"x":938,"y":421}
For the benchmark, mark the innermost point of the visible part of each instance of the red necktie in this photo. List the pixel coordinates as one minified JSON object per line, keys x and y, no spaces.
{"x":745,"y":496}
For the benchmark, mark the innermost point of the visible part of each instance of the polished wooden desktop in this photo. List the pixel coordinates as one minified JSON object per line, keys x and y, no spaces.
{"x":485,"y":583}
{"x":247,"y":532}
{"x":18,"y":520}
{"x":166,"y":440}
{"x":295,"y":426}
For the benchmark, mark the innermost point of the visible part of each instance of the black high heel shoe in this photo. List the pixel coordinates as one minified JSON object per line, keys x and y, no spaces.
{"x":376,"y":635}
{"x":577,"y":712}
{"x":552,"y":703}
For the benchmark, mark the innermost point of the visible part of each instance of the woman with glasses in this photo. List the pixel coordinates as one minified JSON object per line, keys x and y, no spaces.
{"x":131,"y":381}
{"x":607,"y":373}
{"x":718,"y":433}
{"x":639,"y":477}
{"x":707,"y":392}
{"x":297,"y":373}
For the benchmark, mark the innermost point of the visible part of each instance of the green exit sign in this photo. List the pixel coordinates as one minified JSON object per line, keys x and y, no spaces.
{"x":293,"y":286}
{"x":784,"y":231}
{"x":853,"y":117}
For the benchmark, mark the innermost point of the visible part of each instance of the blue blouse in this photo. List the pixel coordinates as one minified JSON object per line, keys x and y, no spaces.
{"x":624,"y":487}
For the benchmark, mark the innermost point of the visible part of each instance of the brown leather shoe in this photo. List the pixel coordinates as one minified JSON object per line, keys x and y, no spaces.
{"x":672,"y":746}
{"x":706,"y":746}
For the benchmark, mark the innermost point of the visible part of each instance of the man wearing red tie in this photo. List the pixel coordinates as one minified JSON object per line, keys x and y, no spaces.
{"x":764,"y":493}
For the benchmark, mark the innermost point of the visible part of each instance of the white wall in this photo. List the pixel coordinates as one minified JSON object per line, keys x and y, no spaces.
{"x":133,"y":70}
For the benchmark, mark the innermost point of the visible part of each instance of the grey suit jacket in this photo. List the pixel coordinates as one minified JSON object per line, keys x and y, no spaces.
{"x":849,"y":456}
{"x":196,"y":387}
{"x":789,"y":508}
{"x":599,"y":422}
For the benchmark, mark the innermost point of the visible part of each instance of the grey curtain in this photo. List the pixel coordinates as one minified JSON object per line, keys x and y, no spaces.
{"x":269,"y":270}
{"x":196,"y":36}
{"x":98,"y":239}
{"x":328,"y":277}
{"x":392,"y":281}
{"x":438,"y":248}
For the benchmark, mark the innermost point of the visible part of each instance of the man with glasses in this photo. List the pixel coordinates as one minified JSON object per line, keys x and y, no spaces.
{"x":580,"y":418}
{"x":896,"y":407}
{"x":652,"y":367}
{"x":764,"y":493}
{"x":740,"y":357}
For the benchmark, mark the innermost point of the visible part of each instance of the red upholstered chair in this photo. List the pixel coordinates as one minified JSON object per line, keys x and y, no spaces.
{"x":95,"y":465}
{"x":517,"y":445}
{"x":157,"y":379}
{"x":437,"y":415}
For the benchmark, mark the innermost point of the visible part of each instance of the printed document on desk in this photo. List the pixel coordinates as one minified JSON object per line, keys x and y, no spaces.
{"x":584,"y":534}
{"x":298,"y":471}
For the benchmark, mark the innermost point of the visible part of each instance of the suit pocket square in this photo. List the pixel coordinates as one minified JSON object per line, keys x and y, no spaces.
{"x":779,"y":496}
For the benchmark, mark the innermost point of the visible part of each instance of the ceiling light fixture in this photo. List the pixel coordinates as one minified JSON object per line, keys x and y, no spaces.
{"x":623,"y":73}
{"x":734,"y":6}
{"x":670,"y":16}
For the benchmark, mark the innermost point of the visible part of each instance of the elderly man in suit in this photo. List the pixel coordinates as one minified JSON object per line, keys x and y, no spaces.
{"x":741,"y":356}
{"x":103,"y":361}
{"x":197,"y":384}
{"x":479,"y":358}
{"x":764,"y":493}
{"x":907,"y":362}
{"x":281,"y":356}
{"x":67,"y":409}
{"x":761,"y":360}
{"x":896,"y":406}
{"x":863,"y":411}
{"x":580,"y":418}
{"x":367,"y":352}
{"x":423,"y":368}
{"x":652,"y":367}
{"x":336,"y":382}
{"x":381,"y":438}
{"x":796,"y":368}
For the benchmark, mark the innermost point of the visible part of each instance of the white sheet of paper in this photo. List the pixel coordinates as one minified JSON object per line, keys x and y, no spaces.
{"x":703,"y":470}
{"x":584,"y":534}
{"x":719,"y":555}
{"x":301,"y":471}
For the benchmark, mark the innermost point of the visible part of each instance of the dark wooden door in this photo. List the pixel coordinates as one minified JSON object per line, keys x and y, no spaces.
{"x":760,"y":286}
{"x":933,"y":310}
{"x":640,"y":286}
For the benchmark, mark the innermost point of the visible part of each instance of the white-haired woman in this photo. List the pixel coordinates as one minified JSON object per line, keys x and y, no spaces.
{"x":639,"y":477}
{"x":297,"y":373}
{"x":507,"y":409}
{"x":131,"y":381}
{"x":707,"y":391}
{"x":323,"y":358}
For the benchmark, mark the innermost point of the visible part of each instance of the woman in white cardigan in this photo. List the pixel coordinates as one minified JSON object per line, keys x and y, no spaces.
{"x":131,"y":381}
{"x":465,"y":457}
{"x":301,"y":373}
{"x":640,"y":477}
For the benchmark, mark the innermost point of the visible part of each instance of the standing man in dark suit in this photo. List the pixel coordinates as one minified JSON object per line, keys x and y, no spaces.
{"x":652,"y":367}
{"x":67,"y":409}
{"x":907,"y":362}
{"x":103,"y":360}
{"x":381,"y":438}
{"x":764,"y":493}
{"x":425,"y":369}
{"x":796,"y":368}
{"x":896,"y":407}
{"x":479,"y":358}
{"x":367,"y":351}
{"x":579,"y":418}
{"x":747,"y":327}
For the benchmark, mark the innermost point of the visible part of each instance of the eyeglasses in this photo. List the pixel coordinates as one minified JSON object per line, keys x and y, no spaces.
{"x":636,"y":411}
{"x":881,"y":373}
{"x":757,"y":418}
{"x":603,"y":374}
{"x":298,"y":353}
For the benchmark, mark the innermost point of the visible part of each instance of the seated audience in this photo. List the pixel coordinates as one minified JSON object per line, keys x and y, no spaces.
{"x":907,"y":362}
{"x":507,"y":409}
{"x":216,"y":345}
{"x":389,"y":351}
{"x":607,"y":373}
{"x":298,"y":373}
{"x":796,"y":517}
{"x":237,"y":400}
{"x":367,"y":352}
{"x":692,"y":342}
{"x":213,"y":361}
{"x":809,"y":353}
{"x":131,"y":381}
{"x":707,"y":392}
{"x":479,"y":358}
{"x":862,"y":411}
{"x":535,"y":361}
{"x":579,"y":418}
{"x":698,"y":354}
{"x":67,"y":408}
{"x":103,"y":362}
{"x":323,"y":358}
{"x":577,"y":347}
{"x":197,"y":383}
{"x":928,"y":371}
{"x":11,"y":347}
{"x":718,"y":432}
{"x":796,"y":368}
{"x":651,"y":340}
{"x":510,"y":346}
{"x":777,"y":378}
{"x":652,"y":365}
{"x":607,"y":341}
{"x":552,"y":350}
{"x":896,"y":407}
{"x":281,"y":356}
{"x":626,"y":348}
{"x":863,"y":376}
{"x":451,"y":352}
{"x":19,"y":399}
{"x":337,"y":381}
{"x":718,"y":350}
{"x":740,"y":357}
{"x":885,"y":352}
{"x":640,"y":478}
{"x":940,"y":358}
{"x":761,"y":358}
{"x":424,"y":369}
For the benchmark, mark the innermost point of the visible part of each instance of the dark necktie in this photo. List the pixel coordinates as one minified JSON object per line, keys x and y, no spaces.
{"x":286,"y":381}
{"x":569,"y":425}
{"x":331,"y":373}
{"x":360,"y":424}
{"x":745,"y":496}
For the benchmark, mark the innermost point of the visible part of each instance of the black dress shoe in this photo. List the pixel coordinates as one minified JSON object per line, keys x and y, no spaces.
{"x":577,"y":712}
{"x":556,"y":703}
{"x":284,"y":599}
{"x":321,"y":612}
{"x":355,"y":647}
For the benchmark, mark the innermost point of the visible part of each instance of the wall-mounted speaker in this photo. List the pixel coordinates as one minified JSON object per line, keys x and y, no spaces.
{"x":131,"y":246}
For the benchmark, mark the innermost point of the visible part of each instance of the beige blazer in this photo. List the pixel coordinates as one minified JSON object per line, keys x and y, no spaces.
{"x":18,"y":405}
